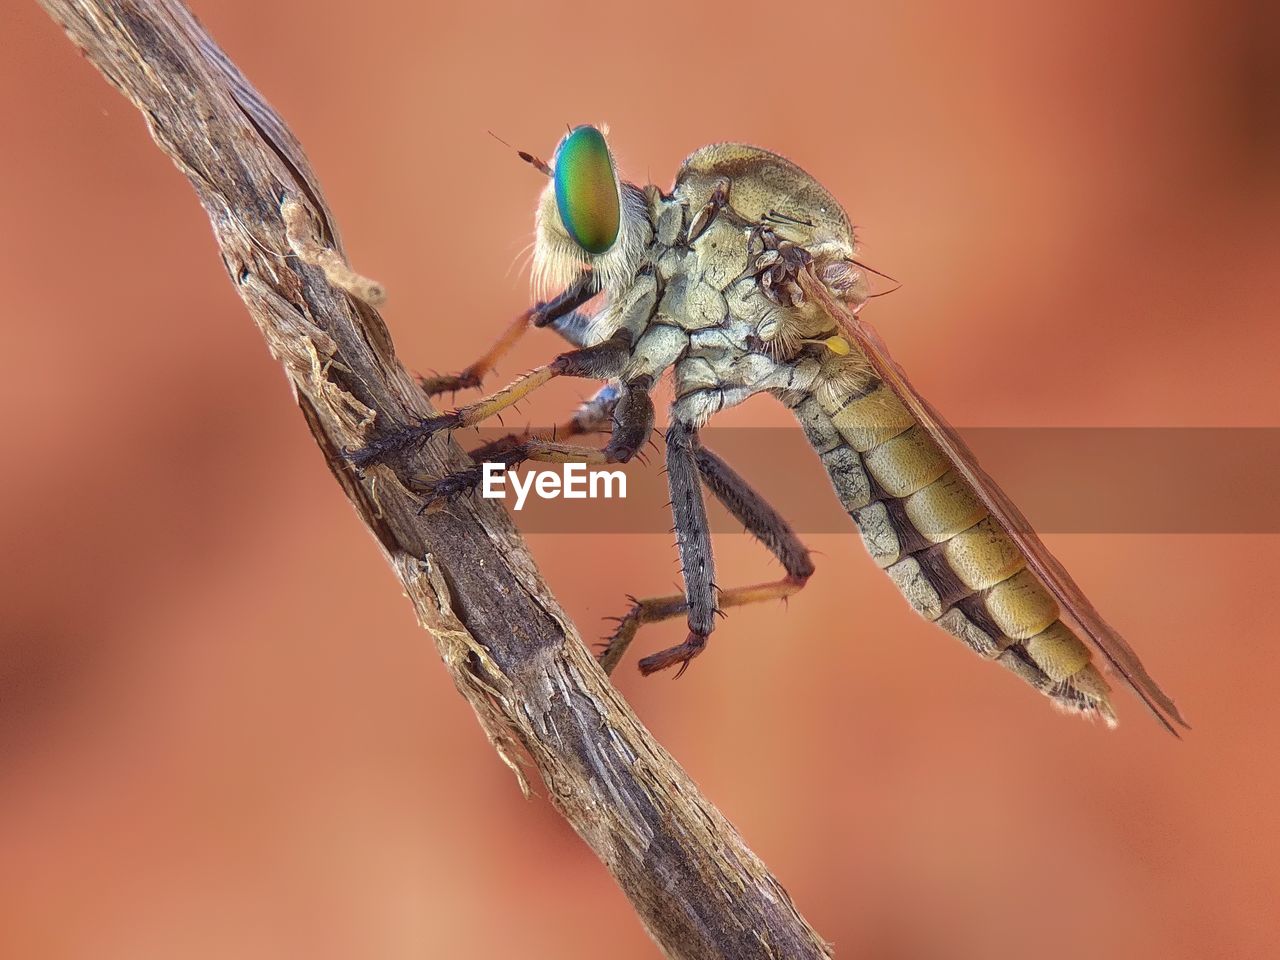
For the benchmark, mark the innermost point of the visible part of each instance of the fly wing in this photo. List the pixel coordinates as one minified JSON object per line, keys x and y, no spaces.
{"x":1101,"y":635}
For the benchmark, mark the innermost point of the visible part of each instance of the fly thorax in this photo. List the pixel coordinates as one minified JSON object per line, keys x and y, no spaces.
{"x":781,"y":331}
{"x":630,"y":308}
{"x":720,"y":253}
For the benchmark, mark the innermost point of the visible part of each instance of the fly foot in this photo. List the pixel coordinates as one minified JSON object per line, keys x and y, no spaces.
{"x":652,"y":610}
{"x":449,"y":487}
{"x":449,"y":382}
{"x":615,"y":645}
{"x":391,"y":442}
{"x":682,"y":654}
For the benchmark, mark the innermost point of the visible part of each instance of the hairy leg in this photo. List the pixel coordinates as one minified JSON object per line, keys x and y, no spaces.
{"x":693,"y":539}
{"x":761,"y":520}
{"x":556,"y":313}
{"x":631,"y":415}
{"x":603,"y":361}
{"x":593,"y":416}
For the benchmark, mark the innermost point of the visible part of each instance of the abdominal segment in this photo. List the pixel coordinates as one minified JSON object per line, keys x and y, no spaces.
{"x":926,"y":527}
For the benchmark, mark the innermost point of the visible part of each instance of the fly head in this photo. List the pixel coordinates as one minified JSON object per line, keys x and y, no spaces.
{"x":588,"y":218}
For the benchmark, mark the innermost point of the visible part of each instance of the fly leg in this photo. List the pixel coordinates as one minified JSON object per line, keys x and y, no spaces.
{"x":632,"y":422}
{"x":552,"y":313}
{"x":761,"y":520}
{"x":603,"y":361}
{"x":693,"y":538}
{"x":593,"y":416}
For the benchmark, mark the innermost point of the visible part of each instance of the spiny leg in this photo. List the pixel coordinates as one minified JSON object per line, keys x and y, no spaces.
{"x":632,"y":423}
{"x":761,"y":520}
{"x":390,"y":442}
{"x":603,"y":361}
{"x":474,"y":374}
{"x":756,"y":514}
{"x":556,"y":312}
{"x":693,"y":538}
{"x":593,"y":416}
{"x":657,"y":609}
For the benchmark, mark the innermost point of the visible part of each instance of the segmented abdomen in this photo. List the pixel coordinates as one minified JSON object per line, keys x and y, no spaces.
{"x":956,"y":565}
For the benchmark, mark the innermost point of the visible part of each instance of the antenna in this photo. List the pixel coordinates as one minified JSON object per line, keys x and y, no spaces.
{"x":536,"y":162}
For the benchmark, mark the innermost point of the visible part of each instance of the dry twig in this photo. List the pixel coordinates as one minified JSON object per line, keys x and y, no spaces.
{"x":512,"y":652}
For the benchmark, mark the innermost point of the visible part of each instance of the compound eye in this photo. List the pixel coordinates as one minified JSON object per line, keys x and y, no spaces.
{"x":587,"y":189}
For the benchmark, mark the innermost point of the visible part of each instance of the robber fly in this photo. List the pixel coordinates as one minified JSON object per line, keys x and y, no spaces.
{"x":744,"y":280}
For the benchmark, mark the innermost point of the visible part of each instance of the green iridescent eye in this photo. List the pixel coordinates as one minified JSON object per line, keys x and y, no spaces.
{"x":587,"y":189}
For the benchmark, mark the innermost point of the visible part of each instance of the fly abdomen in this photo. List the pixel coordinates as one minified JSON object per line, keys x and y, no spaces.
{"x":925,"y":526}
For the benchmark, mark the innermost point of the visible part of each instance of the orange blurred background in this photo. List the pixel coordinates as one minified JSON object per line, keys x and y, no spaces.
{"x":221,"y":732}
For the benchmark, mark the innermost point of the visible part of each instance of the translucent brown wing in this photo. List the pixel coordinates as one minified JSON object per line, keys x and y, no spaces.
{"x":1100,"y":634}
